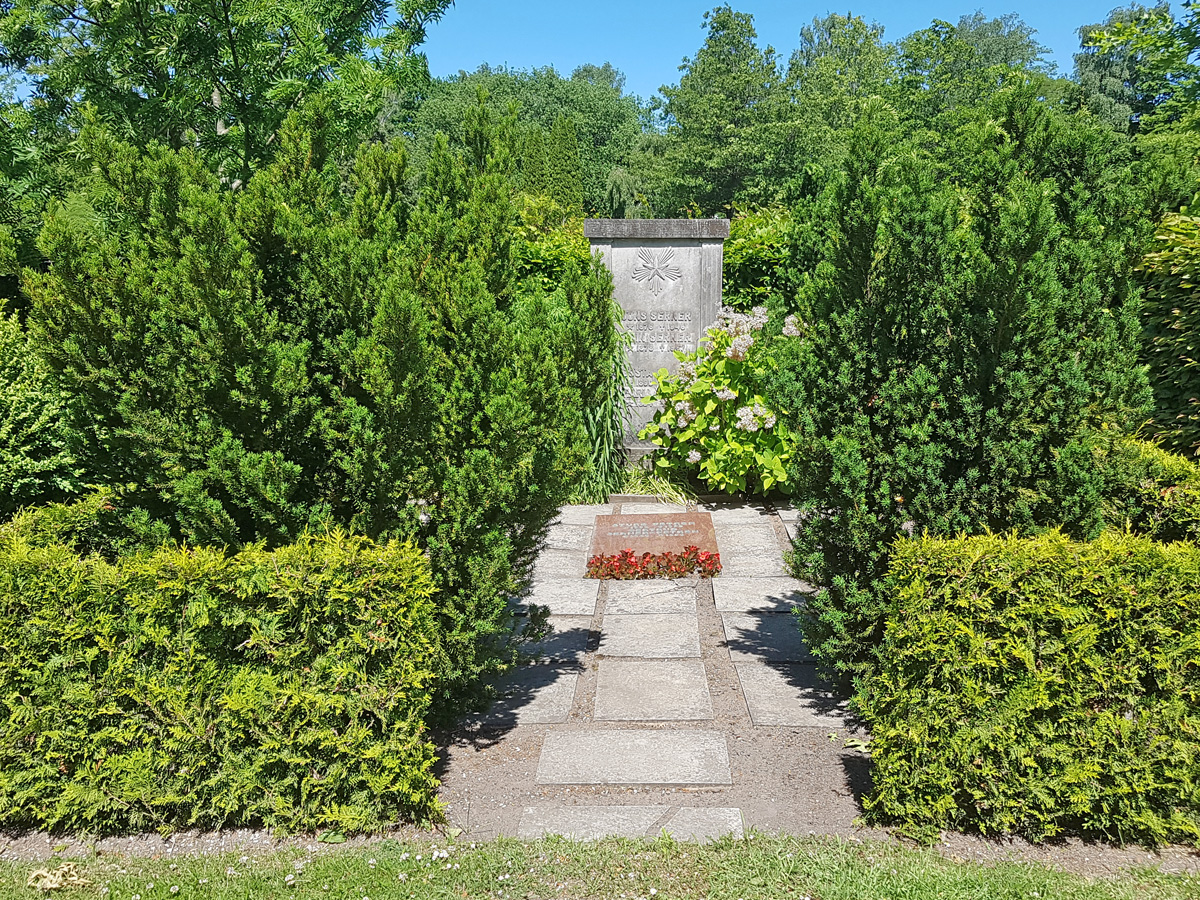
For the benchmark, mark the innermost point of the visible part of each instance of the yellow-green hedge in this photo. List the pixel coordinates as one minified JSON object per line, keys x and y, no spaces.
{"x":1039,"y":687}
{"x":187,"y":687}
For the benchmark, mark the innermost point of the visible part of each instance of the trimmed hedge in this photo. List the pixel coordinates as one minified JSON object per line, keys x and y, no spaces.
{"x":1039,"y":687}
{"x":1149,"y":490}
{"x":188,"y":687}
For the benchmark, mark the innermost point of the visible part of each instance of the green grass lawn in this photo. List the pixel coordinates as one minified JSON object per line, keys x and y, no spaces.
{"x":759,"y":867}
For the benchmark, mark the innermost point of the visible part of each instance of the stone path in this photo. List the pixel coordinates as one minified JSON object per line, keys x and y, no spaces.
{"x":689,"y":706}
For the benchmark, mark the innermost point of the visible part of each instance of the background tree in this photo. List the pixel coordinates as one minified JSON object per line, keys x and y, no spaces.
{"x":606,"y":121}
{"x":717,"y":120}
{"x":218,"y":74}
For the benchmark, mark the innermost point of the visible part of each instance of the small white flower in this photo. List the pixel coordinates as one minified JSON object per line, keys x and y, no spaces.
{"x":791,"y":326}
{"x":174,"y":889}
{"x":693,"y":457}
{"x":726,"y":394}
{"x":402,"y":876}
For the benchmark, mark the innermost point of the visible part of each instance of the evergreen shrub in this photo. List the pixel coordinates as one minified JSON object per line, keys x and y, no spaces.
{"x":967,"y":319}
{"x":1171,"y":316}
{"x":1039,"y":686}
{"x":323,"y":348}
{"x":190,"y":687}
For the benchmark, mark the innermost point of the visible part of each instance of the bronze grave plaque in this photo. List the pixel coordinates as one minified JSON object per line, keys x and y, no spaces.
{"x":653,"y":534}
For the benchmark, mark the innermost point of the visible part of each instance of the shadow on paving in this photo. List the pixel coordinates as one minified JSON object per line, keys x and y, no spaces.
{"x":520,"y":691}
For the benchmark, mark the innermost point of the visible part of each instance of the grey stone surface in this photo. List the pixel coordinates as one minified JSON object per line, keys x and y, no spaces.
{"x":789,"y":695}
{"x":588,"y":823}
{"x":746,"y":537}
{"x":667,"y":280}
{"x":533,"y":695}
{"x":643,"y":690}
{"x":656,"y":229}
{"x":650,"y":636}
{"x":651,"y":509}
{"x":612,"y":756}
{"x":774,"y":637}
{"x":749,"y":550}
{"x":735,"y":511}
{"x":692,"y":823}
{"x":569,"y":537}
{"x":652,"y":595}
{"x":552,"y":564}
{"x":733,"y":594}
{"x":752,"y":564}
{"x":567,"y":641}
{"x":565,"y":596}
{"x":787,"y":513}
{"x":583,"y":514}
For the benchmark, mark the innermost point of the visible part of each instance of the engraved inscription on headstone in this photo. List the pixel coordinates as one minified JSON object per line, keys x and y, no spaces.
{"x":667,"y":279}
{"x":653,"y":534}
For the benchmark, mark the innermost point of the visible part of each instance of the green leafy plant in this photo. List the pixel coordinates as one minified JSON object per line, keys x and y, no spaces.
{"x":190,"y":687}
{"x":1039,"y":687}
{"x":712,"y":419}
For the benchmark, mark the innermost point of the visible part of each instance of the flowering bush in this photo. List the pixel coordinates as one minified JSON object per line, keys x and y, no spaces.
{"x":712,"y":419}
{"x":627,"y":566}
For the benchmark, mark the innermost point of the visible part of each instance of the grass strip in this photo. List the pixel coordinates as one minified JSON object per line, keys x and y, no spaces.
{"x":759,"y":867}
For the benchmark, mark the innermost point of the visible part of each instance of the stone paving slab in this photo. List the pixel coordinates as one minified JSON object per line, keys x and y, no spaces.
{"x":611,"y":756}
{"x":746,"y":537}
{"x":583,"y":515}
{"x":651,"y":509}
{"x":588,"y":823}
{"x":652,"y":595}
{"x":558,"y":564}
{"x":650,"y":636}
{"x":755,"y":636}
{"x":565,"y":596}
{"x":569,"y":537}
{"x":568,"y":639}
{"x":789,"y":695}
{"x":735,"y":511}
{"x":642,"y":690}
{"x":733,"y":594}
{"x":533,"y":695}
{"x":693,"y":823}
{"x":743,"y":564}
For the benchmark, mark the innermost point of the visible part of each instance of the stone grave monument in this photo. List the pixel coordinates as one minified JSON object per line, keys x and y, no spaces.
{"x":667,"y":279}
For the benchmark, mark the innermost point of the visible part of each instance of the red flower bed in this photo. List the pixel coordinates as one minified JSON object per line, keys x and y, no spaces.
{"x":626,"y":566}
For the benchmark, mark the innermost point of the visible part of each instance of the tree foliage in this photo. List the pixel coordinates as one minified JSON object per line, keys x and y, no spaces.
{"x":968,"y":316}
{"x":307,"y":351}
{"x":220,"y":75}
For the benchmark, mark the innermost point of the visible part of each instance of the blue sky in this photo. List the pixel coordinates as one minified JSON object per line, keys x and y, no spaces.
{"x":648,"y":40}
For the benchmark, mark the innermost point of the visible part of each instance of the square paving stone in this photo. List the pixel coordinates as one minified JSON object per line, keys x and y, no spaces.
{"x":588,"y":823}
{"x":774,"y":637}
{"x":746,"y":537}
{"x":565,"y":596}
{"x":583,"y":515}
{"x":652,"y":595}
{"x":650,"y":636}
{"x":733,"y":594}
{"x":610,"y":756}
{"x":741,"y":564}
{"x":567,"y":641}
{"x":569,"y":537}
{"x":704,"y":823}
{"x":789,"y":695}
{"x":533,"y":695}
{"x":552,"y":564}
{"x":733,"y":511}
{"x":644,"y":690}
